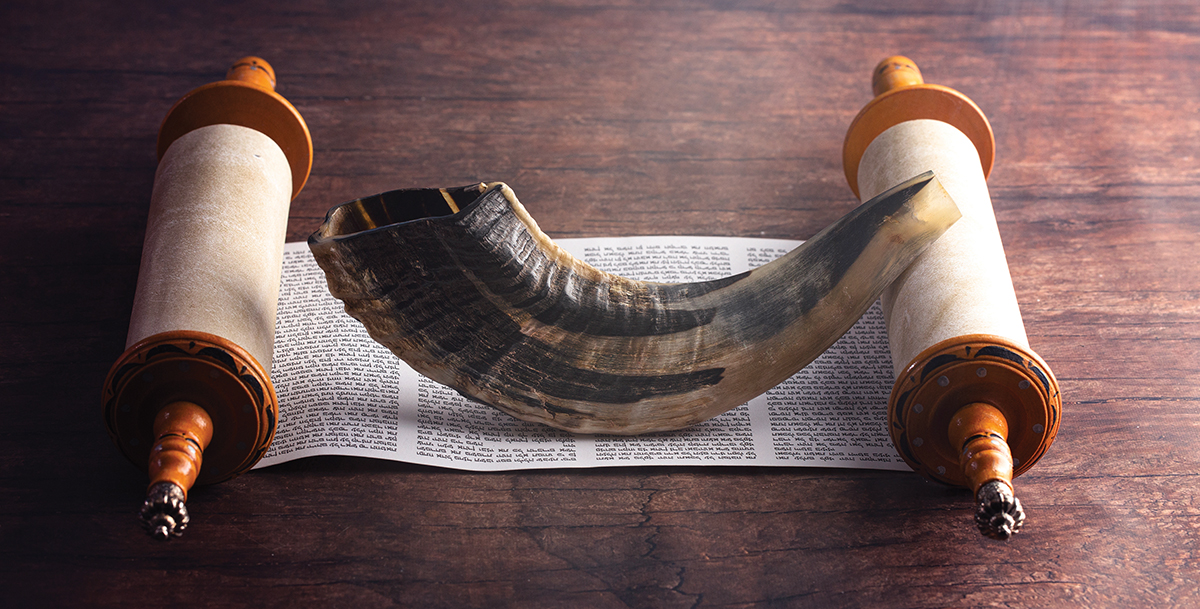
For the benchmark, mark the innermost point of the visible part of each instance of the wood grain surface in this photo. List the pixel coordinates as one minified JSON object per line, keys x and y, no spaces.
{"x":624,"y":118}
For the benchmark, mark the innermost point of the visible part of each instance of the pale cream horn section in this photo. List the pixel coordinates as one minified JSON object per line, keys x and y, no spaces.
{"x":961,"y":284}
{"x":213,"y":252}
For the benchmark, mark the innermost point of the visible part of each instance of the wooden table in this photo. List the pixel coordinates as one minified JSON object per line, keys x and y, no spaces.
{"x":706,"y":118}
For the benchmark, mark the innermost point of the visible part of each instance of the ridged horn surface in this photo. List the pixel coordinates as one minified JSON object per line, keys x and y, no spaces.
{"x":463,"y":285}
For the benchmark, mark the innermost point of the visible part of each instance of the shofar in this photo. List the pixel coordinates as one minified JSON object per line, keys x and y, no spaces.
{"x":461,"y":284}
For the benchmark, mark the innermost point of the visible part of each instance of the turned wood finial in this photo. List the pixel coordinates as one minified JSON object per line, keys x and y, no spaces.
{"x":980,"y":431}
{"x":254,"y":70}
{"x":182,"y":430}
{"x":895,"y":72}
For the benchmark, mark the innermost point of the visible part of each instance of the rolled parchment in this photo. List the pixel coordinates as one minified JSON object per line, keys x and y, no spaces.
{"x":962,"y":285}
{"x":973,"y":405}
{"x":214,"y":240}
{"x":190,"y":400}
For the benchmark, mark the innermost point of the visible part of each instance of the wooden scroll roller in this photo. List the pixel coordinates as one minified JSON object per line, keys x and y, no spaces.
{"x":190,"y":400}
{"x":973,"y":405}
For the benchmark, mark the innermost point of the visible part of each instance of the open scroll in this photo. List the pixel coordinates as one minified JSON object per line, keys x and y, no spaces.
{"x":341,"y":393}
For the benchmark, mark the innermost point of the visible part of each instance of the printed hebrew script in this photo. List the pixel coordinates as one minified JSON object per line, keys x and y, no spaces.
{"x":341,"y":393}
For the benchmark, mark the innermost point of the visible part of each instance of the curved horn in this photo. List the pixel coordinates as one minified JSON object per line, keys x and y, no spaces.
{"x":461,"y":284}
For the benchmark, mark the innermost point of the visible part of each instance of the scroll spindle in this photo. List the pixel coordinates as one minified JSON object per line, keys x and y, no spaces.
{"x":893,"y":73}
{"x":182,"y":430}
{"x":980,"y":432}
{"x":973,"y":405}
{"x":190,"y":400}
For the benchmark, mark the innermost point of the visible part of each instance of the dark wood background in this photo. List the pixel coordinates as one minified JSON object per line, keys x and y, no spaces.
{"x":723,"y":117}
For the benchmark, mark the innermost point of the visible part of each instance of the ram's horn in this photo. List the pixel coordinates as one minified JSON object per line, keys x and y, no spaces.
{"x":461,"y":284}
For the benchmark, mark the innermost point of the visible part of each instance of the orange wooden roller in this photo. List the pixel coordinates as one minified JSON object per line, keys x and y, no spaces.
{"x":190,"y":400}
{"x":973,"y":405}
